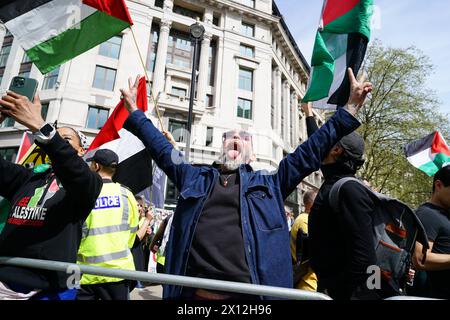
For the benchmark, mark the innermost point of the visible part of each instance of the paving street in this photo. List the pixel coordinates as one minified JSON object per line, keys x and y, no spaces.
{"x":148,"y":293}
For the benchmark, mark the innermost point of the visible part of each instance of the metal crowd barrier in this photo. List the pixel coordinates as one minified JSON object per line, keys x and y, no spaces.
{"x":210,"y":284}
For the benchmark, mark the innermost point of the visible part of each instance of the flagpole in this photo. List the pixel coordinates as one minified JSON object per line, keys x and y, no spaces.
{"x":148,"y":79}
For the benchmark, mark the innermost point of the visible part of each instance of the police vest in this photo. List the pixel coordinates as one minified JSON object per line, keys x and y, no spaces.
{"x":109,"y":232}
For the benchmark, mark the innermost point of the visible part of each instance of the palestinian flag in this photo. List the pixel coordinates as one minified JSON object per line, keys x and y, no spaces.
{"x":135,"y":164}
{"x":341,"y":43}
{"x":428,"y":154}
{"x":55,"y":31}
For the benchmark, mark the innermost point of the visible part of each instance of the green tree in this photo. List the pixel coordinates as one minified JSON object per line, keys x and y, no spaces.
{"x":400,"y":110}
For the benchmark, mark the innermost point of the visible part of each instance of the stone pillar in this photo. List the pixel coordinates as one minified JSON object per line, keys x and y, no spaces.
{"x":202,"y":84}
{"x":208,"y":16}
{"x":2,"y":33}
{"x":278,"y":107}
{"x":161,"y":56}
{"x":295,"y":120}
{"x":168,"y":86}
{"x":168,"y":5}
{"x":286,"y":108}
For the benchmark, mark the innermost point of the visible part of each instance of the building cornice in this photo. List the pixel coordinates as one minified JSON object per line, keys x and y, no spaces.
{"x":239,"y":8}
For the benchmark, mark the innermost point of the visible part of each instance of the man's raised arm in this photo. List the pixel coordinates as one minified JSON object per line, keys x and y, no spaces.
{"x":308,"y":157}
{"x":170,"y":160}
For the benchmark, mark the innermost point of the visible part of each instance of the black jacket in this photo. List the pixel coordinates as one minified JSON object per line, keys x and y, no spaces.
{"x":47,"y":212}
{"x":341,"y":244}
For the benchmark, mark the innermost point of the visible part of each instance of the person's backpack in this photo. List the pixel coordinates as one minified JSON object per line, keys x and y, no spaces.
{"x":396,"y":228}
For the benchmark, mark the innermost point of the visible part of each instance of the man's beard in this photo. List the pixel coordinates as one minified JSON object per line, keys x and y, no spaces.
{"x":231,"y":165}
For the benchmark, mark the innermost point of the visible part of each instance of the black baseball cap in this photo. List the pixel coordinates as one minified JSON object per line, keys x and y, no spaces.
{"x":353,"y":144}
{"x":105,"y":157}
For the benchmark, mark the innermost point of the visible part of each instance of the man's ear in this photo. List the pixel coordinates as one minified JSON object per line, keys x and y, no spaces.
{"x":437,"y":185}
{"x":81,"y":151}
{"x":252,"y":158}
{"x":337,"y":151}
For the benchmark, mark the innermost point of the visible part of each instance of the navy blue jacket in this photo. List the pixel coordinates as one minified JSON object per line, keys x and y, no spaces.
{"x":262,"y":195}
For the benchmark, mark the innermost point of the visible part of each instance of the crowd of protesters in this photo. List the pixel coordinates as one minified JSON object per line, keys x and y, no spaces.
{"x":230,"y":222}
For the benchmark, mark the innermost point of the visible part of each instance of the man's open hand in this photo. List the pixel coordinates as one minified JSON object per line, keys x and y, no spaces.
{"x":130,"y":95}
{"x":22,"y":110}
{"x":358,"y":92}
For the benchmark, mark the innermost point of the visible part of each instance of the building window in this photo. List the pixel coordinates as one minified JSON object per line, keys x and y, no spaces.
{"x":153,"y":48}
{"x":209,"y":100}
{"x":250,"y":3}
{"x":44,"y":111}
{"x":216,"y":21}
{"x":159,"y":3}
{"x":25,"y":69}
{"x":25,"y":58}
{"x":247,"y":29}
{"x":96,"y":117}
{"x":9,"y":154}
{"x":178,"y":129}
{"x":212,"y":63}
{"x":247,"y":51}
{"x":111,"y":48}
{"x":245,"y":79}
{"x":8,"y":122}
{"x":4,"y":54}
{"x":244,"y":109}
{"x":272,"y":115}
{"x":180,"y":50}
{"x":187,"y":12}
{"x":50,"y":79}
{"x":209,"y":136}
{"x":104,"y":78}
{"x":2,"y":72}
{"x":179,"y":92}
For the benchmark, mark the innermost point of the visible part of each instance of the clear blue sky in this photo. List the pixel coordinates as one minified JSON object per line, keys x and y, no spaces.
{"x":424,"y":24}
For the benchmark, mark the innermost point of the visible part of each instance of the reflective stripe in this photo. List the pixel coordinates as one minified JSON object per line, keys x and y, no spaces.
{"x":133,"y":230}
{"x":108,"y":229}
{"x":105,"y":257}
{"x":126,"y":208}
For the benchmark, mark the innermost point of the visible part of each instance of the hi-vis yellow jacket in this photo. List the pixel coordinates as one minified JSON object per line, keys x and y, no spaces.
{"x":109,"y":232}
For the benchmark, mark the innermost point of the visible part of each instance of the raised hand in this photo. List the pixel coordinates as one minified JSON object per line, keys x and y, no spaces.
{"x":169,"y":137}
{"x":307,"y":109}
{"x":358,"y":92}
{"x":130,"y":95}
{"x":22,"y":110}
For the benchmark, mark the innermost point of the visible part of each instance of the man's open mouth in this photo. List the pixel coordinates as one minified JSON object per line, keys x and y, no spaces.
{"x":234,"y":150}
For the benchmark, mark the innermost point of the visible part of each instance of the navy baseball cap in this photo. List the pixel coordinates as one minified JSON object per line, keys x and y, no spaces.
{"x":105,"y":157}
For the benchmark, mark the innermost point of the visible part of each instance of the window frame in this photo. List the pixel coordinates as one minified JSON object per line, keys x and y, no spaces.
{"x":245,"y":109}
{"x":99,"y":109}
{"x":104,"y":79}
{"x":245,"y":26}
{"x":246,"y":82}
{"x":108,"y":44}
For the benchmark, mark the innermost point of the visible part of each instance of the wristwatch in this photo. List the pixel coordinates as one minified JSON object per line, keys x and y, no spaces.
{"x":45,"y":134}
{"x":46,"y":129}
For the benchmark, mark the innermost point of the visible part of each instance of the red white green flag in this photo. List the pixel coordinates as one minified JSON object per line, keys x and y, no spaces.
{"x":54,"y":31}
{"x":341,"y":43}
{"x":428,"y":154}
